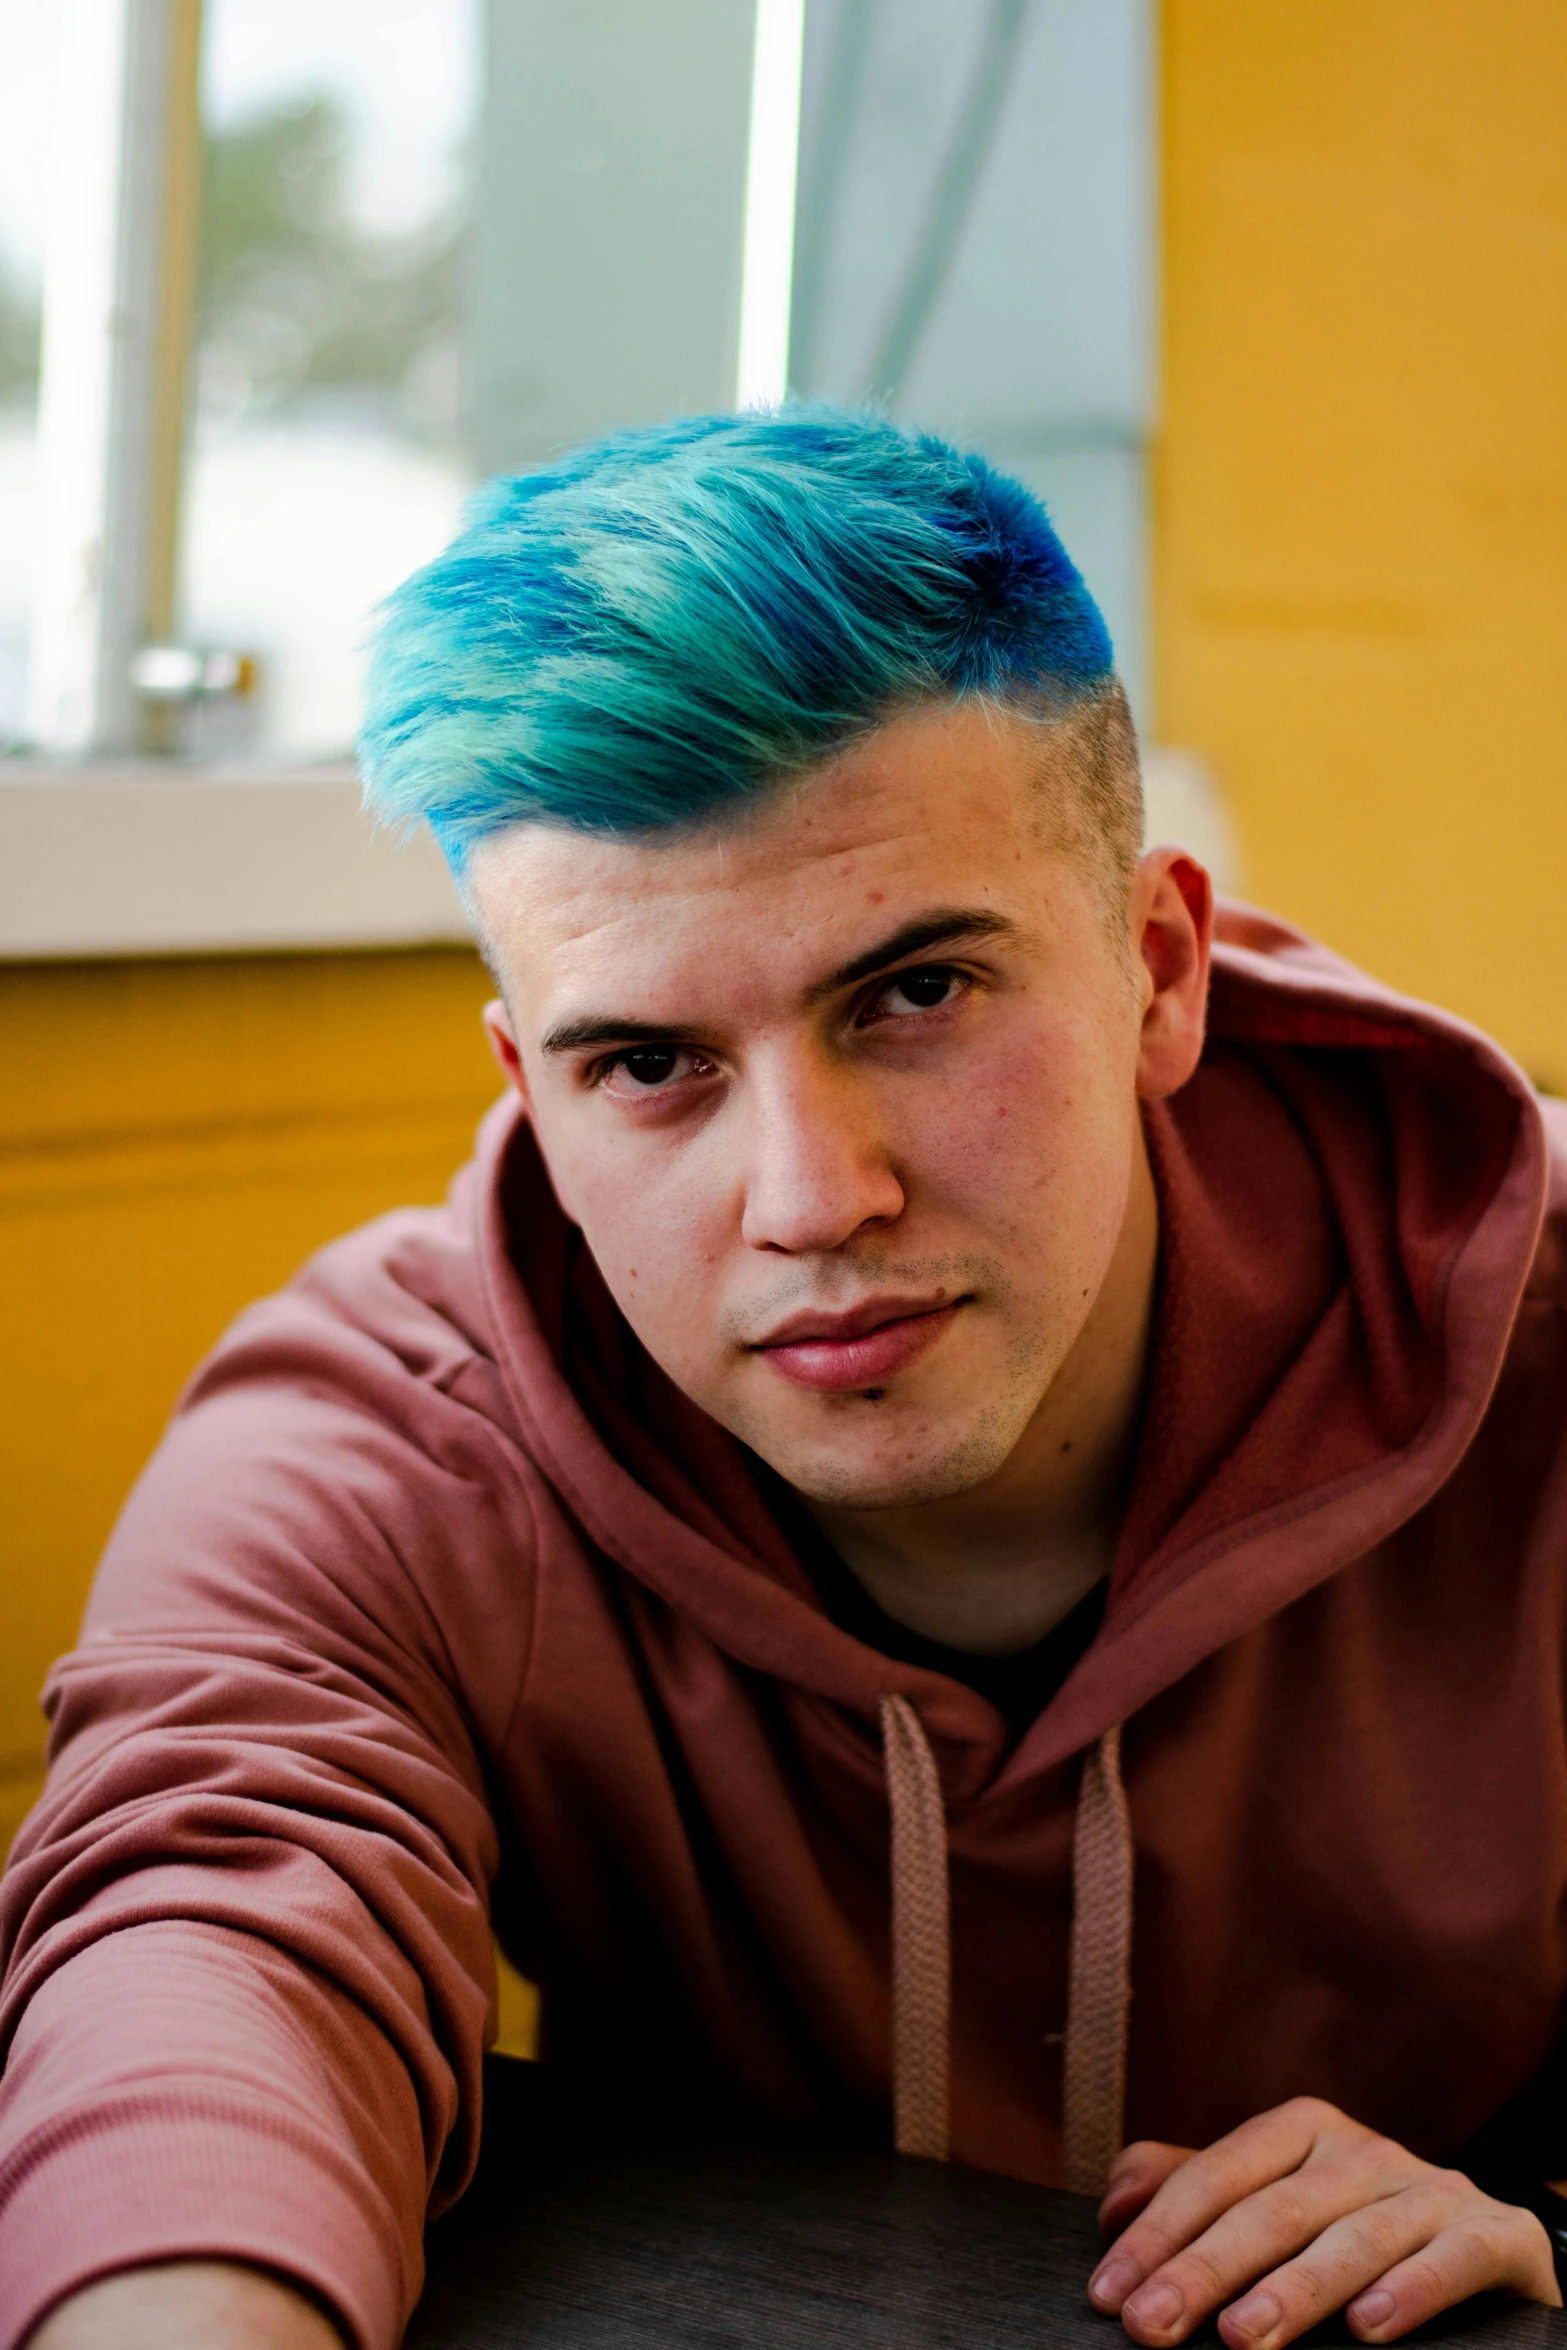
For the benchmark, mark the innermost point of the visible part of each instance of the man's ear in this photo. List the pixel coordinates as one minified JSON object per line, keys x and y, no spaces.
{"x":1172,"y":926}
{"x":503,"y":1044}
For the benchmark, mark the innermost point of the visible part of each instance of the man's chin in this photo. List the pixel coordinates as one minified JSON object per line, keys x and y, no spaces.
{"x":883,"y":1469}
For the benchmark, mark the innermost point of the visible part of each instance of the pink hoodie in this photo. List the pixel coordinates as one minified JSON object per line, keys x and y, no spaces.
{"x":439,"y":1603}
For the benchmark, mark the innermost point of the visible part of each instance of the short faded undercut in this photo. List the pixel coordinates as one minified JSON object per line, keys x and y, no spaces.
{"x":657,"y":628}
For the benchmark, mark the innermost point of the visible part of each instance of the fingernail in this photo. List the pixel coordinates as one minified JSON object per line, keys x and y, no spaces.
{"x":1159,"y":2306}
{"x":1257,"y":2315}
{"x":1372,"y":2309}
{"x":1113,"y":2280}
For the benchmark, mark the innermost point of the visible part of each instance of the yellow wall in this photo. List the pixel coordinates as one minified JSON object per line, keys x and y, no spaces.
{"x":175,"y":1137}
{"x":1361,"y":489}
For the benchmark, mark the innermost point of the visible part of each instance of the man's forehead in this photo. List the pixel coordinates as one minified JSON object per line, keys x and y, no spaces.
{"x":704,"y":956}
{"x":903,"y":811}
{"x":562,"y":889}
{"x":708,"y":991}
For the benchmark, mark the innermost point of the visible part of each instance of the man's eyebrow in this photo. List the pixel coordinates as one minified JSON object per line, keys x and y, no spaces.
{"x":943,"y":928}
{"x":574,"y":1036}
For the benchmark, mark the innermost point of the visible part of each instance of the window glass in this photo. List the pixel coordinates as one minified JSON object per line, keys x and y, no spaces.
{"x":327,"y":443}
{"x":27,"y":50}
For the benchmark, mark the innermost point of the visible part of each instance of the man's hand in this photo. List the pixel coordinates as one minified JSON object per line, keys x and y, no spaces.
{"x":187,"y":2305}
{"x":1294,"y":2215}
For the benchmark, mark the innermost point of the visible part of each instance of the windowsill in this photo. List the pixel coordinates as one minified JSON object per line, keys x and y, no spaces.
{"x":140,"y":859}
{"x":134,"y":858}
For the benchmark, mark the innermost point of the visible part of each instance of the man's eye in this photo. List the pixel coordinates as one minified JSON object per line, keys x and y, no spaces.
{"x":650,"y":1064}
{"x":917,"y":991}
{"x":645,"y":1068}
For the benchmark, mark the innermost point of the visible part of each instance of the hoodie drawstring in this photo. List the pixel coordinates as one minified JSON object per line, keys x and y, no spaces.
{"x":1094,"y":2072}
{"x":921,"y":1947}
{"x":1093,"y":2097}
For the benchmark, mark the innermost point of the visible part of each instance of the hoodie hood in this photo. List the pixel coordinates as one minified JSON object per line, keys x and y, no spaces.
{"x":1350,"y":1187}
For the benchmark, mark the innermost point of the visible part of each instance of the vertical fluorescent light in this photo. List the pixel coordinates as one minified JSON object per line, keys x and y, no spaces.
{"x":768,"y":264}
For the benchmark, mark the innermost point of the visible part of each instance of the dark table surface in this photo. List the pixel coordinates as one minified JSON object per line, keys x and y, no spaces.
{"x":729,"y":2246}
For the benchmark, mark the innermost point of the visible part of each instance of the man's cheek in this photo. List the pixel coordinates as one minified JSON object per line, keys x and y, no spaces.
{"x":648,"y":1241}
{"x":1001,"y":1147}
{"x":601,"y":1178}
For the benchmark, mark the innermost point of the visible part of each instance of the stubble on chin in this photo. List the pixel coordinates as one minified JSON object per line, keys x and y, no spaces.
{"x":858,"y":1462}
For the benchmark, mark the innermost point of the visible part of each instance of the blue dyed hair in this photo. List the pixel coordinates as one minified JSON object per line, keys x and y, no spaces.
{"x":672,"y":619}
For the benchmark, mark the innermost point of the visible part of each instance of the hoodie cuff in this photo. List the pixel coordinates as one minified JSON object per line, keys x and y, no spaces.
{"x":121,"y":2187}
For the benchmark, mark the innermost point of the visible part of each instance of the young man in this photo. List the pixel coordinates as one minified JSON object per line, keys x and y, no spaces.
{"x":941,"y":1466}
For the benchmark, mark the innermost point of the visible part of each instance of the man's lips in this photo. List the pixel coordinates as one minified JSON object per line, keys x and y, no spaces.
{"x":859,"y":1349}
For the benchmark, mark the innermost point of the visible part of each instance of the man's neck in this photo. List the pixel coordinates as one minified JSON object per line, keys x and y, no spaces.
{"x":993,"y":1570}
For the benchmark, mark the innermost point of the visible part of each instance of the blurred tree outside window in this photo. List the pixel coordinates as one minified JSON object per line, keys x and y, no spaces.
{"x":18,"y":341}
{"x":327,"y":450}
{"x":302,"y":309}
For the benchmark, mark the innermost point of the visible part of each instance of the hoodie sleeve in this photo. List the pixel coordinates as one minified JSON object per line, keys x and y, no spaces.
{"x":248,"y":1973}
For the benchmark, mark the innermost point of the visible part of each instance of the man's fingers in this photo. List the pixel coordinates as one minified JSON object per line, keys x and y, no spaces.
{"x":1137,"y":2174}
{"x":1474,"y":2255}
{"x":1345,"y":2260}
{"x":1251,"y":2239}
{"x":1397,"y":2261}
{"x":1194,"y":2194}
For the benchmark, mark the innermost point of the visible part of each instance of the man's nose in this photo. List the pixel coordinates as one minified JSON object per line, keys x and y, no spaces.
{"x":819,"y":1169}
